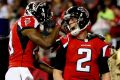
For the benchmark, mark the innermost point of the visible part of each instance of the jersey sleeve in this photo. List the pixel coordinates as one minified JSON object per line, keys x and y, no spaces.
{"x":63,"y":40}
{"x":103,"y":64}
{"x":60,"y":58}
{"x":61,"y":53}
{"x":101,"y":45}
{"x":103,"y":57}
{"x":104,"y":48}
{"x":26,"y":22}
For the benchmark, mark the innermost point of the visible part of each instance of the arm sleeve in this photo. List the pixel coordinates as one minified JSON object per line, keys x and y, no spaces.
{"x":60,"y":57}
{"x":103,"y":61}
{"x":26,"y":22}
{"x":104,"y":53}
{"x":103,"y":65}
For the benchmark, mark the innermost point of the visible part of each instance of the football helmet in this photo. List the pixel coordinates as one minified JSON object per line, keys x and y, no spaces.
{"x":40,"y":10}
{"x":82,"y":16}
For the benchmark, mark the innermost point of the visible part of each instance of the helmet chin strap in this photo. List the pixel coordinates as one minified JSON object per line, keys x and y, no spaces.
{"x":76,"y":31}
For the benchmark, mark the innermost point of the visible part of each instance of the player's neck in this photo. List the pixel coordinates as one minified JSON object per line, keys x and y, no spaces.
{"x":82,"y":35}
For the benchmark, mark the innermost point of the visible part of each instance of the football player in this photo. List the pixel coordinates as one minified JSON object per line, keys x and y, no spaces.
{"x":25,"y":36}
{"x":81,"y":55}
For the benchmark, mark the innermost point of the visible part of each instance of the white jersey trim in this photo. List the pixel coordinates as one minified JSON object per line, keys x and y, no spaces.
{"x":104,"y":50}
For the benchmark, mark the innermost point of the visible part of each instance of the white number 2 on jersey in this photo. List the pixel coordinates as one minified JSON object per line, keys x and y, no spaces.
{"x":83,"y":60}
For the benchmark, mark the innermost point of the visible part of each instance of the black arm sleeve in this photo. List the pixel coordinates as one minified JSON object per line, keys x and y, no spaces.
{"x":60,"y":57}
{"x":103,"y":64}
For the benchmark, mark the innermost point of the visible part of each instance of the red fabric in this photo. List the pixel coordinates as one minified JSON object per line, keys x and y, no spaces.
{"x":39,"y":75}
{"x":86,"y":55}
{"x":21,"y":57}
{"x":65,"y":39}
{"x":27,"y":21}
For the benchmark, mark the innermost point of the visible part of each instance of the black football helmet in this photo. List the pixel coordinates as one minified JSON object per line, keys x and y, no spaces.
{"x":82,"y":16}
{"x":40,"y":10}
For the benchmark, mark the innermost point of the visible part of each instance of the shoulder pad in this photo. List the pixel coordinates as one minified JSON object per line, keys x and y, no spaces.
{"x":91,"y":36}
{"x":28,"y":22}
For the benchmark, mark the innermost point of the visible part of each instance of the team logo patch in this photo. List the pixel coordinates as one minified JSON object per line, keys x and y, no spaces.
{"x":27,"y":21}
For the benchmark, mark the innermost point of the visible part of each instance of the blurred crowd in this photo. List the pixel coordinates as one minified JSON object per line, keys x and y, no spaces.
{"x":104,"y":16}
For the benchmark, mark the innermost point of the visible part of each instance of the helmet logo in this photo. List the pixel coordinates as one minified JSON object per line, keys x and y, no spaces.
{"x":80,"y":17}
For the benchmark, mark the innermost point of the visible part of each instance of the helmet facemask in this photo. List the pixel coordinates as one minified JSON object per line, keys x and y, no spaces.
{"x":41,"y":11}
{"x":82,"y":17}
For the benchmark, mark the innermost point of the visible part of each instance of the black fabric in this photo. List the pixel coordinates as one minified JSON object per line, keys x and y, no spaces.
{"x":55,"y":46}
{"x":23,"y":39}
{"x":60,"y":58}
{"x":103,"y":65}
{"x":92,"y":36}
{"x":118,"y":45}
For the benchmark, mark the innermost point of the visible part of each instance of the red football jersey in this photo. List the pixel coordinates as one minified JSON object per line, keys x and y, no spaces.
{"x":20,"y":47}
{"x":84,"y":60}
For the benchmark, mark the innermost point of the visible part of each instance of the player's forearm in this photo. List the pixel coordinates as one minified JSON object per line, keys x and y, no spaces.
{"x":57,"y":74}
{"x":106,"y":76}
{"x":52,"y":37}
